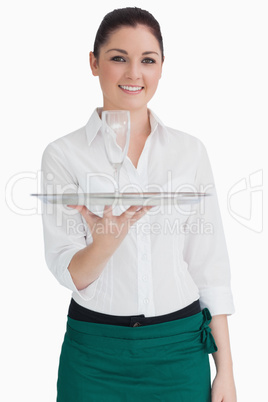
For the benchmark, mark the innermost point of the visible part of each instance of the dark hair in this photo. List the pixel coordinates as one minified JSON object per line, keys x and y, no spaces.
{"x":129,"y":16}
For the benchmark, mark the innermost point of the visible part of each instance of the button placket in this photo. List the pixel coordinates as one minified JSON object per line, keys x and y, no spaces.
{"x":139,"y":176}
{"x":145,"y":288}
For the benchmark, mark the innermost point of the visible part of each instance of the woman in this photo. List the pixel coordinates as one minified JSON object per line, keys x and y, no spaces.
{"x":145,"y":281}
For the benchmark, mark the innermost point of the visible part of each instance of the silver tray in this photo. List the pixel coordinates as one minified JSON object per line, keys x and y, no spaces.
{"x":152,"y":199}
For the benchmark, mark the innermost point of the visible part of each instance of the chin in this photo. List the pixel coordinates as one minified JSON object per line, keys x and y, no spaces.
{"x":133,"y":106}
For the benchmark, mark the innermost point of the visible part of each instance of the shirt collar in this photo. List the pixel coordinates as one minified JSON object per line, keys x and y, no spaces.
{"x":155,"y":121}
{"x":94,"y":124}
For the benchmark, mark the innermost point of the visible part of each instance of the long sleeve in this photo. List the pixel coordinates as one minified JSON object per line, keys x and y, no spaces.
{"x":205,"y":248}
{"x":64,"y":230}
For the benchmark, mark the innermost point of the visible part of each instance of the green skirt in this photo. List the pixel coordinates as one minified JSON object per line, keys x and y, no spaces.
{"x":164,"y":362}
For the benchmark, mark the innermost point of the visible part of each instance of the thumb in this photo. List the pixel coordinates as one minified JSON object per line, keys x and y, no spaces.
{"x":78,"y":207}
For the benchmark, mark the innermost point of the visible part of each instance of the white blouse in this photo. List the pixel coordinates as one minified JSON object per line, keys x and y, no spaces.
{"x":170,"y":257}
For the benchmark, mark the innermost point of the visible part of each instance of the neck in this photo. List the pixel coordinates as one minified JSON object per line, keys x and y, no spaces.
{"x":140,"y":123}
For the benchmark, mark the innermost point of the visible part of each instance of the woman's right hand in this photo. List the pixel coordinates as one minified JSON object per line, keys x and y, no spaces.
{"x":108,"y":232}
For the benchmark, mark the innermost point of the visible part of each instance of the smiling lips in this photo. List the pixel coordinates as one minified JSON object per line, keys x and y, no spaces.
{"x":131,"y":89}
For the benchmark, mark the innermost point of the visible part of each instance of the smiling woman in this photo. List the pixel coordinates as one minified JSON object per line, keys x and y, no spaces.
{"x":124,"y":68}
{"x":142,"y":301}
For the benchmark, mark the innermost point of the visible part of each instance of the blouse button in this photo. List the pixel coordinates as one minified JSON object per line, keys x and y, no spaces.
{"x":144,"y":278}
{"x":146,"y":301}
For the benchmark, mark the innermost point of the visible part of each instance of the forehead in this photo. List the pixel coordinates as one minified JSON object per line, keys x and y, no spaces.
{"x":127,"y":37}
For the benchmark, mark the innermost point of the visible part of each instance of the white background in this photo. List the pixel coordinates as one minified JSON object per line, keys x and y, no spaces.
{"x":214,"y":86}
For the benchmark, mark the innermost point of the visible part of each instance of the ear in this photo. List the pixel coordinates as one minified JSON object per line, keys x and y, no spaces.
{"x":93,"y":64}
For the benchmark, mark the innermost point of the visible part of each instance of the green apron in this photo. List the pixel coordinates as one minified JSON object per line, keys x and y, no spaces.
{"x":165,"y":362}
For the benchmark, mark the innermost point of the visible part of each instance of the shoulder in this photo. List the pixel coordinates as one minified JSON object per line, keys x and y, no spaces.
{"x":67,"y":143}
{"x":181,"y":140}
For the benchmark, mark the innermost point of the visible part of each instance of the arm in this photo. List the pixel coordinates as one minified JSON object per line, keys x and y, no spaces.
{"x":88,"y":263}
{"x":208,"y":263}
{"x":223,"y":388}
{"x":74,"y":256}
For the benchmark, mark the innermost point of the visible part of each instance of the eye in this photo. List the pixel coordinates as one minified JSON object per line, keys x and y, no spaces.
{"x":118,"y":59}
{"x":148,"y":61}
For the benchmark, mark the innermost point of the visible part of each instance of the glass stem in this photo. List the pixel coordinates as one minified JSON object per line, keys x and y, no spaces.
{"x":116,"y":177}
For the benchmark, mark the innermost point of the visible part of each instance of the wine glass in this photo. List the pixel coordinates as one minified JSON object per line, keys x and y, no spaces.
{"x":116,"y":134}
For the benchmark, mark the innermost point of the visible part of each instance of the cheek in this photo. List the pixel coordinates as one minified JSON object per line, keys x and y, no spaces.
{"x":112,"y":72}
{"x":153,"y":78}
{"x":108,"y":76}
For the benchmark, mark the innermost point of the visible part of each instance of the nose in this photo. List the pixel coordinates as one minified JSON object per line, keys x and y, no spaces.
{"x":133,"y":71}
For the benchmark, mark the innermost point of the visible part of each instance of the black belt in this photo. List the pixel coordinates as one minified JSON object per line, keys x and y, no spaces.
{"x":77,"y":312}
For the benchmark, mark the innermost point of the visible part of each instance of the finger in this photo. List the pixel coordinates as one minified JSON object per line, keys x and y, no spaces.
{"x":137,"y":208}
{"x":78,"y":207}
{"x":145,"y":208}
{"x":130,"y":211}
{"x":140,"y":213}
{"x":108,"y":210}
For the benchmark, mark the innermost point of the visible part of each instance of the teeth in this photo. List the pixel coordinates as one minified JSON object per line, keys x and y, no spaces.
{"x":133,"y":89}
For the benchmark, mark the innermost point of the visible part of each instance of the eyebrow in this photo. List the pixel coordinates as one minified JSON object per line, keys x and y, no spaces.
{"x":125,"y":52}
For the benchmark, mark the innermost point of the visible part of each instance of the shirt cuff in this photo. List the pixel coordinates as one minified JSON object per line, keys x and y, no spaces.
{"x":219,"y":300}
